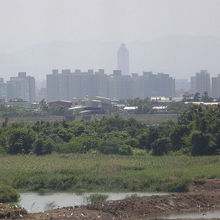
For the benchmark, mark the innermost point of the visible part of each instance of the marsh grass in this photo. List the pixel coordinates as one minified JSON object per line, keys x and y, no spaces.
{"x":96,"y":198}
{"x":95,"y":172}
{"x":132,"y":196}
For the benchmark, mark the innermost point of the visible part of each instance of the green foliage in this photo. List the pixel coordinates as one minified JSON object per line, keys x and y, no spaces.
{"x":41,"y":147}
{"x":5,"y":123}
{"x":114,"y":143}
{"x":8,"y":194}
{"x":132,"y":196}
{"x":97,"y":198}
{"x":197,"y":132}
{"x":20,"y":140}
{"x":14,"y":111}
{"x":161,"y":146}
{"x":201,"y":144}
{"x":56,"y":110}
{"x":43,"y":105}
{"x":180,"y":185}
{"x":178,"y":137}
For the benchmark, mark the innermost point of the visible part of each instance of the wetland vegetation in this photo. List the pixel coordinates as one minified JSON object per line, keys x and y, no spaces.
{"x":103,"y":173}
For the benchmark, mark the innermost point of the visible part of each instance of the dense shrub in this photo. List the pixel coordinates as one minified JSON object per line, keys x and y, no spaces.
{"x":41,"y":146}
{"x":202,"y":144}
{"x":115,"y":146}
{"x":161,"y":146}
{"x":180,"y":185}
{"x":8,"y":194}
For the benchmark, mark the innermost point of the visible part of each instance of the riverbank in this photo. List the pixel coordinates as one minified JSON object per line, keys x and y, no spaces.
{"x":205,"y":196}
{"x":106,"y":173}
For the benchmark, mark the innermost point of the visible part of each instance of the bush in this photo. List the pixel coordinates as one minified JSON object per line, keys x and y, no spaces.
{"x":125,"y":150}
{"x":97,"y":198}
{"x":181,"y":185}
{"x":115,"y":145}
{"x":161,"y":146}
{"x":201,"y":144}
{"x":8,"y":194}
{"x":42,"y":147}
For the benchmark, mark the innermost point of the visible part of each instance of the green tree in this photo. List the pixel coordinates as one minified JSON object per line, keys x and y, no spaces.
{"x":43,"y":105}
{"x":177,"y":137}
{"x":5,"y":123}
{"x":20,"y":140}
{"x":161,"y":146}
{"x":41,"y":146}
{"x":205,"y":97}
{"x":197,"y":97}
{"x":202,"y":144}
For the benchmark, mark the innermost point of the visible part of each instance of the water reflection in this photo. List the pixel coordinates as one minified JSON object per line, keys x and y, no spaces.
{"x":199,"y":215}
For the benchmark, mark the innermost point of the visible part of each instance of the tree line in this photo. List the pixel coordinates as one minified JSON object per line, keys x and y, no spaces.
{"x":197,"y":132}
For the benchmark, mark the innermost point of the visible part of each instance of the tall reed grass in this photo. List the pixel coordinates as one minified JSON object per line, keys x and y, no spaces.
{"x":94,"y":172}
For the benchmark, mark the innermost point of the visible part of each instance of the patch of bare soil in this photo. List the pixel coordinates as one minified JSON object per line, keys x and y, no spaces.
{"x":11,"y":212}
{"x":156,"y":206}
{"x":206,"y":185}
{"x":205,"y":195}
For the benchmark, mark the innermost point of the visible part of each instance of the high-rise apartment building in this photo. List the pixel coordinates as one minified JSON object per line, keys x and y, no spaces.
{"x":216,"y":86}
{"x":69,"y":85}
{"x":2,"y":89}
{"x":201,"y":82}
{"x":193,"y":84}
{"x":123,"y":59}
{"x":22,"y":87}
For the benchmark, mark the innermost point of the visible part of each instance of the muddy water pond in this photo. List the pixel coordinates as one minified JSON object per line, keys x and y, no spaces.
{"x":34,"y":202}
{"x":198,"y":215}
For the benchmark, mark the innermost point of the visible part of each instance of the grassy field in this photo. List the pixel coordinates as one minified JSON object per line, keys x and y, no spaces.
{"x":105,"y":173}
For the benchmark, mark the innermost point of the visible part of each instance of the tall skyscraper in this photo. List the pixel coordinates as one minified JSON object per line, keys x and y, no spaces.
{"x":123,"y":59}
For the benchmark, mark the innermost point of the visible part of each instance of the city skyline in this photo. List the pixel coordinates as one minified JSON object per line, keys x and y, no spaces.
{"x":180,"y":62}
{"x":68,"y":85}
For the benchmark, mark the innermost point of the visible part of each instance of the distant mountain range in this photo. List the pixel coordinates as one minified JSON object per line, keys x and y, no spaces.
{"x":179,"y":56}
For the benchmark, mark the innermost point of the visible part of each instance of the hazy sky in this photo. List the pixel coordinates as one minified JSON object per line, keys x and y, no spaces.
{"x":27,"y":22}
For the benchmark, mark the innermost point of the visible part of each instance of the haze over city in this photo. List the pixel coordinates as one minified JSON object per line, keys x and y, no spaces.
{"x":175,"y":37}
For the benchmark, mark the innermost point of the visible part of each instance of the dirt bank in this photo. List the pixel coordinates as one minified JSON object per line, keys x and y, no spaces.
{"x":11,"y":211}
{"x":143,"y":208}
{"x":205,"y":195}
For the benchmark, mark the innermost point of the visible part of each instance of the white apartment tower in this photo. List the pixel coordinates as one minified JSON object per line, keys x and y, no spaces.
{"x":216,"y":86}
{"x":201,"y":82}
{"x":123,"y":59}
{"x":22,"y":87}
